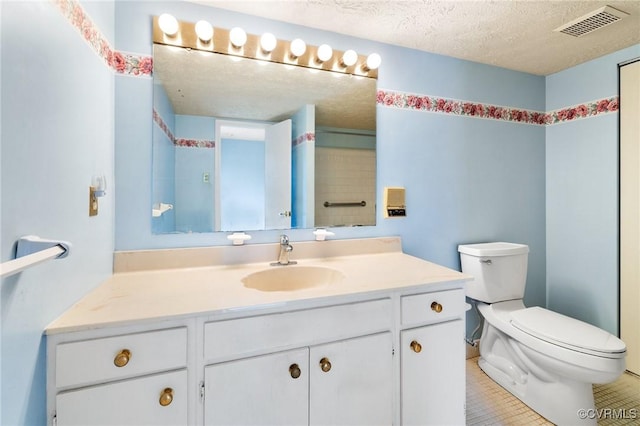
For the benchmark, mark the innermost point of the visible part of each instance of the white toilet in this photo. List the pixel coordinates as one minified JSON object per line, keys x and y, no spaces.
{"x":548,"y":360}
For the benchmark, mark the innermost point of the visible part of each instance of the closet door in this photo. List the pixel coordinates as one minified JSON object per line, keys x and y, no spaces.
{"x":630,"y":212}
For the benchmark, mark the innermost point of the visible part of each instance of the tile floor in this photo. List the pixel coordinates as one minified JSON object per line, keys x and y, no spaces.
{"x":489,"y":404}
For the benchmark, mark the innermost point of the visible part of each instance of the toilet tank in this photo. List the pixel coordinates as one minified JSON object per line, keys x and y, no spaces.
{"x":499,"y":269}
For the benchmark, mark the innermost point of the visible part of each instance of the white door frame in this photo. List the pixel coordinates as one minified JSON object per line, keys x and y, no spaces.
{"x":630,"y":212}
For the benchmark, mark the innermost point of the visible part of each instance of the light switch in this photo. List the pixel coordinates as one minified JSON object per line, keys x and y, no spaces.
{"x":93,"y":202}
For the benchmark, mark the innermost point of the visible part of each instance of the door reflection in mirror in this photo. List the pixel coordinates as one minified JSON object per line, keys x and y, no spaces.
{"x":253,"y":161}
{"x":241,"y":184}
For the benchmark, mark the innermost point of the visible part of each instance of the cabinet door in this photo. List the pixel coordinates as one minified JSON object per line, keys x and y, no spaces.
{"x":433,"y":375}
{"x":351,"y":382}
{"x":265,"y":390}
{"x":133,"y":402}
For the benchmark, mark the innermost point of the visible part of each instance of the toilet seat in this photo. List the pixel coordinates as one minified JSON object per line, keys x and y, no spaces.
{"x":567,"y":332}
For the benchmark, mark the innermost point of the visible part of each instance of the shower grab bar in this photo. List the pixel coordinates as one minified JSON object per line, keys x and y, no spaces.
{"x":32,"y":250}
{"x":349,"y":204}
{"x":338,"y":132}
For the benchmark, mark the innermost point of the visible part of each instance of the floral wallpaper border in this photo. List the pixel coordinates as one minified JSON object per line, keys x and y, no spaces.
{"x":120,"y":62}
{"x":426,"y":103}
{"x":188,"y":143}
{"x":584,"y":110}
{"x":163,"y":126}
{"x":195,"y":143}
{"x":141,"y":65}
{"x":202,"y":143}
{"x":457,"y":107}
{"x":305,"y":137}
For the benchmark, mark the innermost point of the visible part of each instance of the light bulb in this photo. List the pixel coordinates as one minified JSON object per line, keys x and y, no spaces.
{"x":349,"y":58}
{"x":204,"y":31}
{"x":325,"y":52}
{"x":237,"y":36}
{"x":168,"y":24}
{"x":298,"y":47}
{"x":373,"y":61}
{"x":268,"y":42}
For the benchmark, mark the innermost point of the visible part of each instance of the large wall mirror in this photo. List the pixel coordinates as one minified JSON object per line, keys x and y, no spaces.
{"x":241,"y":144}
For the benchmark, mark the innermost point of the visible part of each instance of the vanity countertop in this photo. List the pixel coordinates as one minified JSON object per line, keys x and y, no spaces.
{"x":131,"y":297}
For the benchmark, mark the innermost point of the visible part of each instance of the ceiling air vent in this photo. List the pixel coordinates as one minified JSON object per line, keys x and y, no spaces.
{"x":592,"y":21}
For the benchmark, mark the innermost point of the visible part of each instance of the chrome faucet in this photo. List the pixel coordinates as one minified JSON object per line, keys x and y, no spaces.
{"x":285,"y":249}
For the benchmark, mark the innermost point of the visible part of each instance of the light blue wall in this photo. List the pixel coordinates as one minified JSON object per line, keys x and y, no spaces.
{"x":194,"y":201}
{"x":194,"y":206}
{"x":164,"y":162}
{"x":467,"y":180}
{"x":57,"y":131}
{"x":582,"y":195}
{"x":195,"y":127}
{"x":589,"y":81}
{"x":303,"y":168}
{"x":2,"y":258}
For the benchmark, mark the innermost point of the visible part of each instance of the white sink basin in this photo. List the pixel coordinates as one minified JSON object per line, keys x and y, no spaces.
{"x":292,"y":278}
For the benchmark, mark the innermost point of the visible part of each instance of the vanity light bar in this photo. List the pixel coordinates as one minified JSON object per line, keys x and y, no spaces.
{"x":186,"y":37}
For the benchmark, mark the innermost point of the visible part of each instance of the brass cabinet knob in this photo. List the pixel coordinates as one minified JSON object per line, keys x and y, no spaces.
{"x":166,"y":397}
{"x":435,"y":306}
{"x":122,"y":358}
{"x":417,"y":347}
{"x":294,"y":370}
{"x":325,"y":365}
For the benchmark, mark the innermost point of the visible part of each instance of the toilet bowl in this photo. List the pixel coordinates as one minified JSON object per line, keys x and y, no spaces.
{"x":546,"y":359}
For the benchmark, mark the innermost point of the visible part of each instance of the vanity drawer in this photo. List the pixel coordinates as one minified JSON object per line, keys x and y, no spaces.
{"x":158,"y":400}
{"x":90,"y":361}
{"x":432,"y":307}
{"x":251,"y":335}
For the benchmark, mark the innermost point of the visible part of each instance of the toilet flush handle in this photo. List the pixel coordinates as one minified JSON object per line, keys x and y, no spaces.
{"x":486,"y":261}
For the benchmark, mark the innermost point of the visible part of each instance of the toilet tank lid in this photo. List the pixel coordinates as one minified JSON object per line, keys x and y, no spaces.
{"x":493,"y":249}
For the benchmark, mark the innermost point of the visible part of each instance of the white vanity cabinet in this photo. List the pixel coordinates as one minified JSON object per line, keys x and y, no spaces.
{"x":394,"y":359}
{"x":129,"y":379}
{"x":270,"y":389}
{"x":433,"y":359}
{"x":346,"y":381}
{"x":194,"y":346}
{"x":341,"y":383}
{"x":351,"y":382}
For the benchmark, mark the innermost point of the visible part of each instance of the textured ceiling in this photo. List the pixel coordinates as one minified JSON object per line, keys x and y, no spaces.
{"x":516,"y":34}
{"x":215,"y":85}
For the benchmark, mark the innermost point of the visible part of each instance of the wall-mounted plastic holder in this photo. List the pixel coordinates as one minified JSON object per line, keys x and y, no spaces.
{"x":99,"y":184}
{"x":158,"y":209}
{"x":321,"y":234}
{"x":238,"y":238}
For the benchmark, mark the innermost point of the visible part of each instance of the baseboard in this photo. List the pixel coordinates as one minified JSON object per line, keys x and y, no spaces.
{"x":472,"y":350}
